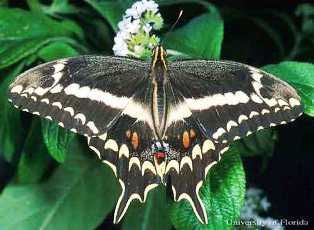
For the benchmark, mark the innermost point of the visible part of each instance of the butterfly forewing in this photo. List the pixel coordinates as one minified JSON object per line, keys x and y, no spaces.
{"x":85,"y":94}
{"x":231,"y":100}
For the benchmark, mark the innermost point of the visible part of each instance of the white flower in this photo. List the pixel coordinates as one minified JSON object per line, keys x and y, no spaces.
{"x":264,"y":204}
{"x":133,"y":37}
{"x":147,"y":28}
{"x":120,"y":47}
{"x":255,"y":203}
{"x":150,"y":5}
{"x":134,"y":26}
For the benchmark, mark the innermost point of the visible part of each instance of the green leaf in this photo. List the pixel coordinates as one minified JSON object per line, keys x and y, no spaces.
{"x":200,"y":38}
{"x":222,"y":194}
{"x":112,"y":11}
{"x":11,"y":129}
{"x":35,"y":158}
{"x":56,"y":50}
{"x":300,"y":76}
{"x":60,"y":7}
{"x":22,"y":33}
{"x":79,"y":194}
{"x":56,"y":139}
{"x":154,"y":213}
{"x":259,"y":143}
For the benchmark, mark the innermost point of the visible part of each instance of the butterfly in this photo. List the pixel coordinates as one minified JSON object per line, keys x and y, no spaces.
{"x":156,"y":122}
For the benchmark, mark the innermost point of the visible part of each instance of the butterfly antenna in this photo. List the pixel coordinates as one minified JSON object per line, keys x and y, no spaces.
{"x":172,"y":27}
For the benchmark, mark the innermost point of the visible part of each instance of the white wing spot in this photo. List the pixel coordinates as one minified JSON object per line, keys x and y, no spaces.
{"x":218,"y":133}
{"x":124,"y":151}
{"x":242,"y":118}
{"x":73,"y":130}
{"x":56,"y":89}
{"x":70,"y":110}
{"x":231,"y":98}
{"x":45,"y":100}
{"x":30,"y":90}
{"x":136,"y":161}
{"x":260,"y":127}
{"x":196,"y":152}
{"x":34,"y":98}
{"x":57,"y":104}
{"x":253,"y":114}
{"x":294,"y":102}
{"x":173,"y":164}
{"x":48,"y":117}
{"x":41,"y":91}
{"x":207,"y":145}
{"x":92,"y":127}
{"x":231,"y":124}
{"x":282,"y":102}
{"x":257,"y":87}
{"x":58,"y":67}
{"x":17,"y":89}
{"x":111,"y":144}
{"x":270,"y":102}
{"x":103,"y":136}
{"x":264,"y":111}
{"x":147,"y":165}
{"x":81,"y":117}
{"x":83,"y":92}
{"x":256,"y":98}
{"x":242,"y":97}
{"x":256,"y":75}
{"x":186,"y":160}
{"x":71,"y":89}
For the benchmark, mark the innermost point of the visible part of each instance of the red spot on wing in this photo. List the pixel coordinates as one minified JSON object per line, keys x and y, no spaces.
{"x":160,"y":157}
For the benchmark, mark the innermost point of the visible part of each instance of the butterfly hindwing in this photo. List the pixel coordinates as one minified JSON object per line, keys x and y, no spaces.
{"x":231,"y":100}
{"x":85,"y":94}
{"x":126,"y":148}
{"x":191,"y":154}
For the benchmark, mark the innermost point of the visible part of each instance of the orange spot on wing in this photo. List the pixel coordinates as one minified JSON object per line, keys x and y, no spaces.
{"x":186,"y":139}
{"x":135,"y":140}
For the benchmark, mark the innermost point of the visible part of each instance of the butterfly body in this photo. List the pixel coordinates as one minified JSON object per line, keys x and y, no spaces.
{"x":153,"y":121}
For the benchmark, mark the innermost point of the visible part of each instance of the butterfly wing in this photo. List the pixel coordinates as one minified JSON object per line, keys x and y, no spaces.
{"x":231,"y":100}
{"x":212,"y":104}
{"x":126,"y":148}
{"x":85,"y":94}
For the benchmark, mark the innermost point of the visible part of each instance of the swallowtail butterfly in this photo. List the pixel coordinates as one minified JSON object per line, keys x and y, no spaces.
{"x":156,"y":122}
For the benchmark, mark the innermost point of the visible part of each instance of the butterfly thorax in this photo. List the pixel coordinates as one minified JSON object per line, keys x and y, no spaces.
{"x":159,"y":79}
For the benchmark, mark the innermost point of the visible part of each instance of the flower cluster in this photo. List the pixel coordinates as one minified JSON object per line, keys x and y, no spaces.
{"x":134,"y":36}
{"x":254,"y":205}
